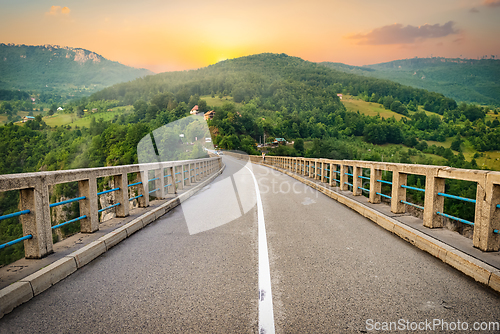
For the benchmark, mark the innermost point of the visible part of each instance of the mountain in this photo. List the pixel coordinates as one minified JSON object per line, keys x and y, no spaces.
{"x":467,"y":80}
{"x":62,"y":70}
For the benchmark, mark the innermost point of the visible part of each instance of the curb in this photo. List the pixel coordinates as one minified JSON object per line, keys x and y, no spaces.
{"x":468,"y":265}
{"x":25,"y":289}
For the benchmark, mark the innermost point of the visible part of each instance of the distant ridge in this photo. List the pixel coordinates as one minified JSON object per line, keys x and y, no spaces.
{"x":468,"y":80}
{"x":60,"y":69}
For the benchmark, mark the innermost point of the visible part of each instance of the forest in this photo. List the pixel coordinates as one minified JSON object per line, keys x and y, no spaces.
{"x":267,"y":95}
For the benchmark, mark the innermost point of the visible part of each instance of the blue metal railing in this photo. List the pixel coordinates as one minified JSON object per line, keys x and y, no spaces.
{"x":177,"y":173}
{"x":349,"y":184}
{"x":363,"y":177}
{"x":15,"y":214}
{"x":412,"y":188}
{"x":348,"y":174}
{"x":134,"y":184}
{"x":458,"y":197}
{"x":109,"y":207}
{"x":167,"y":185}
{"x":336,"y":171}
{"x":152,"y":191}
{"x":67,"y":201}
{"x":13,"y":242}
{"x":455,"y":218}
{"x":412,"y":204}
{"x":364,"y":189}
{"x":135,"y":197}
{"x":154,"y":179}
{"x":69,"y":222}
{"x":107,"y":191}
{"x":386,"y":182}
{"x":384,"y":195}
{"x":168,"y":175}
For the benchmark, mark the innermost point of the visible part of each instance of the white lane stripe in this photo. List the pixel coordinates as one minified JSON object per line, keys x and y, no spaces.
{"x":266,"y":313}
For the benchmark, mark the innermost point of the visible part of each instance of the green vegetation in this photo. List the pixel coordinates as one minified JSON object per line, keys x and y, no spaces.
{"x":60,"y":70}
{"x":467,"y":80}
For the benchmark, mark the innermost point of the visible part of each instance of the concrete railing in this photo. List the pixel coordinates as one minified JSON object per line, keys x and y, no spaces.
{"x":34,"y":206}
{"x":366,"y":176}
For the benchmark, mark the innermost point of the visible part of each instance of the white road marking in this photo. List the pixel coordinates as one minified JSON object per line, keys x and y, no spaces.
{"x":266,"y":313}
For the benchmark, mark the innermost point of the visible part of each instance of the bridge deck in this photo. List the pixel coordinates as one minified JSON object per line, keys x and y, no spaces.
{"x":196,"y":270}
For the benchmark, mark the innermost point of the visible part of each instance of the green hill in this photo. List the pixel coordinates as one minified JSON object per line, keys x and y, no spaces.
{"x":467,"y":80}
{"x":62,"y":70}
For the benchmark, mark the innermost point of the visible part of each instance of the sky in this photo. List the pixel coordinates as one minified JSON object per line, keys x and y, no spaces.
{"x":170,"y":35}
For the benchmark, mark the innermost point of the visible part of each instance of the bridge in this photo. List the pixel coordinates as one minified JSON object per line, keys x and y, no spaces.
{"x":247,"y":244}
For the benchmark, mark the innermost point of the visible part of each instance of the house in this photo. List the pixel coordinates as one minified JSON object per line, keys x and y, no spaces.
{"x":194,"y":111}
{"x":209,"y":115}
{"x":340,"y":96}
{"x":60,"y":109}
{"x":28,"y":118}
{"x":279,"y":141}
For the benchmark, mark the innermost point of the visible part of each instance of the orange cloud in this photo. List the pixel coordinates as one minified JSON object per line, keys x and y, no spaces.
{"x":491,"y":3}
{"x":56,"y":10}
{"x":398,"y":34}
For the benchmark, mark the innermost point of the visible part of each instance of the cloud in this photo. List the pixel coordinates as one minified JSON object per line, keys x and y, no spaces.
{"x":56,"y":10}
{"x":398,"y":34}
{"x":473,"y":10}
{"x":491,"y":3}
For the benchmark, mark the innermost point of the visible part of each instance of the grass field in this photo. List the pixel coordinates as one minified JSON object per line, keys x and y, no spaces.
{"x":216,"y":102}
{"x":72,"y":120}
{"x":3,"y":118}
{"x":368,"y":108}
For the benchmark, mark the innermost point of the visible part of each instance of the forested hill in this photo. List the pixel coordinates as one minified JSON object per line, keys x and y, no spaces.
{"x":63,"y":70}
{"x":467,"y":80}
{"x":277,"y":80}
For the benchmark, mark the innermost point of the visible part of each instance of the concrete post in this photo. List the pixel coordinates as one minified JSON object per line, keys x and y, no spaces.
{"x":375,"y":187}
{"x":143,"y":188}
{"x":171,"y":180}
{"x":433,"y":203}
{"x":159,"y":184}
{"x":192,"y":173}
{"x":312,"y":164}
{"x":398,"y":193}
{"x":356,"y":180}
{"x":323,"y":171}
{"x":332,"y":174}
{"x":181,"y":175}
{"x":89,"y":206}
{"x":121,"y":195}
{"x":487,"y":217}
{"x":37,"y":222}
{"x":343,"y":177}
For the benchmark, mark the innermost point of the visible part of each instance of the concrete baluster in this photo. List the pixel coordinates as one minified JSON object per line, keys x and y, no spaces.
{"x":121,"y":195}
{"x":89,"y":206}
{"x":143,"y":188}
{"x":375,"y":186}
{"x":433,"y":202}
{"x":357,"y":182}
{"x":344,"y":178}
{"x":398,"y":193}
{"x":37,"y":222}
{"x":487,"y":216}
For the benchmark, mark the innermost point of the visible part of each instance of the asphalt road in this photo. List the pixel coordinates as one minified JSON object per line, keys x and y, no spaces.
{"x":196,"y":270}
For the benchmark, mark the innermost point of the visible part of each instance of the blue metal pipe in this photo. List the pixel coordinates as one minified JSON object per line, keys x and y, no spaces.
{"x":455,"y":218}
{"x":66,"y":201}
{"x":152,"y":191}
{"x":383,"y":195}
{"x":109,"y":207}
{"x":108,"y":191}
{"x":386,"y":182}
{"x":364,"y":189}
{"x":154,"y":179}
{"x":168,"y":175}
{"x":134,"y":184}
{"x":349,"y":184}
{"x":177,"y":173}
{"x":13,"y":242}
{"x":417,"y":206}
{"x":412,"y":188}
{"x":336,"y":171}
{"x":363,"y":177}
{"x":458,"y":197}
{"x":131,"y":199}
{"x":167,"y":185}
{"x":348,"y":174}
{"x":15,"y":214}
{"x":69,"y":222}
{"x":327,"y":177}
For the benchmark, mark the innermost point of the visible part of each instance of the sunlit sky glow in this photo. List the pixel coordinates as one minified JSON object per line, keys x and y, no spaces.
{"x":166,"y":35}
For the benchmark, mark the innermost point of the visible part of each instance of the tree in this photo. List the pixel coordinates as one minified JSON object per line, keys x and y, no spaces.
{"x":298,"y":145}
